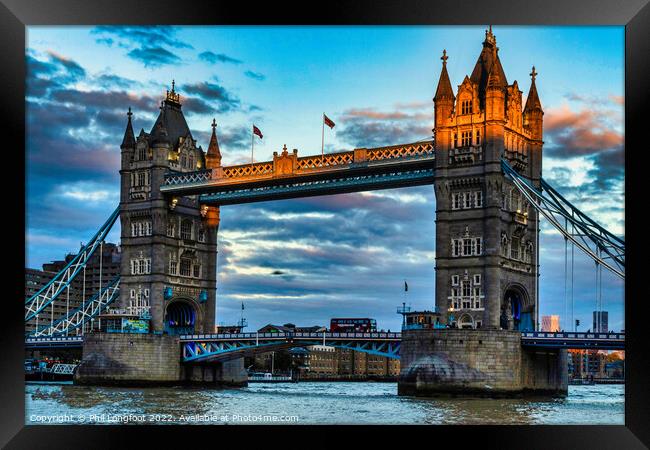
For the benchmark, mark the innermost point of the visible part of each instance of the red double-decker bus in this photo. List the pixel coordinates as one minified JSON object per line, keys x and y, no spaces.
{"x":353,"y":325}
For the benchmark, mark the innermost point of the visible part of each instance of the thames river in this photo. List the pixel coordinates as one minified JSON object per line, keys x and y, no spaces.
{"x":310,"y":403}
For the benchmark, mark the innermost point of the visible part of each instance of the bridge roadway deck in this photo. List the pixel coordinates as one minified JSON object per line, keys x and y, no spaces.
{"x":379,"y":168}
{"x":569,"y":340}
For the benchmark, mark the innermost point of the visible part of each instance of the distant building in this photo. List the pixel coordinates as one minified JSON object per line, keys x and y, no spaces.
{"x":35,"y":279}
{"x":600,"y":322}
{"x":587,"y":363}
{"x":551,"y":324}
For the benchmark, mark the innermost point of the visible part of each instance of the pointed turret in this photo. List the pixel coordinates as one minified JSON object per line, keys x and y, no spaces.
{"x":533,"y":110}
{"x":532,"y":102}
{"x":213,"y":157}
{"x":129,"y":136}
{"x":444,"y":89}
{"x":444,"y":98}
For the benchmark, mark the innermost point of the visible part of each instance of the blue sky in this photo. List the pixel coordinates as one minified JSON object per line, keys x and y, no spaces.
{"x":306,"y":260}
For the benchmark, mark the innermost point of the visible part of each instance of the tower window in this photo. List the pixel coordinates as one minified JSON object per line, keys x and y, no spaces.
{"x":478,"y":137}
{"x":186,"y":267}
{"x":171,"y":228}
{"x":478,"y":199}
{"x":454,"y":280}
{"x":477,"y":279}
{"x":173,"y":264}
{"x":466,"y":138}
{"x":201,"y":234}
{"x":466,"y":107}
{"x":186,"y":230}
{"x":142,"y":153}
{"x":456,"y":201}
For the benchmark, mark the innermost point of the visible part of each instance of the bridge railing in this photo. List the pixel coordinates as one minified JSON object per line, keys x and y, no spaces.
{"x":571,"y":335}
{"x":294,"y":335}
{"x":307,"y":164}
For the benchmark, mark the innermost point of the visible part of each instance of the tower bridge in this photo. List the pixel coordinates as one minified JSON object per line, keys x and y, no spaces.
{"x":485,"y":168}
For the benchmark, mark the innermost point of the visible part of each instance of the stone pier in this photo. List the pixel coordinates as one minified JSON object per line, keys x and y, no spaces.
{"x":148,"y":359}
{"x":486,"y":363}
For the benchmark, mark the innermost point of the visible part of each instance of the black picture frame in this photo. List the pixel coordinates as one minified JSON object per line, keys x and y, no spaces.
{"x":15,"y":15}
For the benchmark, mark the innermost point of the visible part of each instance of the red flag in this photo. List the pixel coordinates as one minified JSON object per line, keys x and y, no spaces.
{"x":328,"y":121}
{"x":257,"y":131}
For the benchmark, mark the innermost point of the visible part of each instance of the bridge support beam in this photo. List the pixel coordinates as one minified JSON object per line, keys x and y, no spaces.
{"x":490,"y":363}
{"x":224,"y":373}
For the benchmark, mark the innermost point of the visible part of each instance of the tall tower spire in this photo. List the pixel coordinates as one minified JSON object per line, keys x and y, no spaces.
{"x":533,"y":110}
{"x":129,"y":136}
{"x":213,"y":158}
{"x":532,"y":102}
{"x":444,"y":89}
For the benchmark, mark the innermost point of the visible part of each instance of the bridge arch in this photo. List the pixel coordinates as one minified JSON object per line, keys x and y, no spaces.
{"x":517,"y":308}
{"x":182,"y":316}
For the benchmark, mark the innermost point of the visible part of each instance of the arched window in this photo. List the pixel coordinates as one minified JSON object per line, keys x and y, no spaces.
{"x":183,"y":160}
{"x":142,"y":153}
{"x":186,"y":230}
{"x":191,"y":161}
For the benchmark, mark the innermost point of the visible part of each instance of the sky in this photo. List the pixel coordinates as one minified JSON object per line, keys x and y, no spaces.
{"x":306,"y":260}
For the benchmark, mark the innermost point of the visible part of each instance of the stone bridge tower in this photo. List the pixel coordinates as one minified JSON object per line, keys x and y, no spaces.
{"x":486,"y":232}
{"x":168,"y":244}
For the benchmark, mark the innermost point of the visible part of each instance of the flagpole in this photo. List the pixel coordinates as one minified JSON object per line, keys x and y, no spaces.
{"x":322,"y":148}
{"x":252,"y":142}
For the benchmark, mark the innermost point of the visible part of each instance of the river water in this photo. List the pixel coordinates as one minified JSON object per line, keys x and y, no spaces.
{"x":310,"y":403}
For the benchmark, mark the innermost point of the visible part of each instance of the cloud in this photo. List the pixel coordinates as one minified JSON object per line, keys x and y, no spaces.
{"x":255,"y":75}
{"x":369,"y":127}
{"x":581,"y":133}
{"x":376,"y":134}
{"x":220,"y":99}
{"x":153,"y":46}
{"x":50,"y":71}
{"x":213,"y":58}
{"x":154,"y":56}
{"x":149,"y":36}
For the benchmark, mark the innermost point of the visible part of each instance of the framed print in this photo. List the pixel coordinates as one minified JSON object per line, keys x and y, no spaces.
{"x":381,"y":214}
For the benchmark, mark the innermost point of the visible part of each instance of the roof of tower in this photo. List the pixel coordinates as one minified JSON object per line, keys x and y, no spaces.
{"x":532,"y":102}
{"x":444,"y":89}
{"x":129,"y":136}
{"x":488,"y":62}
{"x":171,"y":120}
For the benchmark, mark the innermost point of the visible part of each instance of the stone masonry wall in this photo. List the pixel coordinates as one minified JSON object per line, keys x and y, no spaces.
{"x":133,"y":359}
{"x":476,"y":362}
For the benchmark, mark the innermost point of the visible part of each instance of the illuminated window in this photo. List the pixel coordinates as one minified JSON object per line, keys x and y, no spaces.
{"x":478,"y":137}
{"x":466,"y":138}
{"x":466,"y":107}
